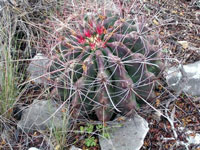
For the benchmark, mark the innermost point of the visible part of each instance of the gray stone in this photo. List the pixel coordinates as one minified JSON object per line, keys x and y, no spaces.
{"x":74,"y":148}
{"x":185,"y":78}
{"x":129,"y":136}
{"x":110,"y":5}
{"x":41,"y":115}
{"x":38,"y":69}
{"x":33,"y":148}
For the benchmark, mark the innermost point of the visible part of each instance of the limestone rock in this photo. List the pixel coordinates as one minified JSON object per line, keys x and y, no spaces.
{"x":40,"y":116}
{"x":186,"y":78}
{"x":74,"y":148}
{"x":130,"y":136}
{"x":38,"y":69}
{"x":33,"y":148}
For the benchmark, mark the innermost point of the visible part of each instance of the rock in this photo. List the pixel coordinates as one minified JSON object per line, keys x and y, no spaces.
{"x":33,"y":148}
{"x":192,"y":139}
{"x":197,"y":2}
{"x":40,"y":116}
{"x":109,"y":6}
{"x":186,"y":78}
{"x":74,"y":148}
{"x":197,"y":14}
{"x":128,"y":137}
{"x":38,"y":69}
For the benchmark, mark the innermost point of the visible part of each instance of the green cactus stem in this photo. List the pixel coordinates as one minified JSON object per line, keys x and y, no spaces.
{"x":109,"y":66}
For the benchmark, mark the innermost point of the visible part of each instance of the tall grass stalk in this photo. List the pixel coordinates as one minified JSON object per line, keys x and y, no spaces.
{"x":8,"y":86}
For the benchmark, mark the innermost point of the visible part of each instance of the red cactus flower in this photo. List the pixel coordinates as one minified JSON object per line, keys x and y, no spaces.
{"x":87,"y":33}
{"x":92,"y":45}
{"x":100,"y":30}
{"x":81,"y":39}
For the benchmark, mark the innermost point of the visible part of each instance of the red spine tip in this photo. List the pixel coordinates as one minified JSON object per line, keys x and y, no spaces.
{"x":81,"y":39}
{"x":92,"y":45}
{"x":87,"y":33}
{"x":100,"y":30}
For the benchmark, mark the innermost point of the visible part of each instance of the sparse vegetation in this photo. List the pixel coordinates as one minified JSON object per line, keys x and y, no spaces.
{"x":93,"y":67}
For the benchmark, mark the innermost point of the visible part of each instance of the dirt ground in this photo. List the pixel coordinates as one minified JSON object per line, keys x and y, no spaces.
{"x":181,"y":35}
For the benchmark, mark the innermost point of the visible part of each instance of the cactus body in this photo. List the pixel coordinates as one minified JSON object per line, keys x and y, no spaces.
{"x":106,"y":67}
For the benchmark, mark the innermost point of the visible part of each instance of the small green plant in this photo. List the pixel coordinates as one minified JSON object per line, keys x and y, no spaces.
{"x":100,"y":128}
{"x":90,"y":141}
{"x":103,"y":130}
{"x":89,"y":128}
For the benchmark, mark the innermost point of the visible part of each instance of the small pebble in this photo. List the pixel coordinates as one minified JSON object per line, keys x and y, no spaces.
{"x":33,"y":148}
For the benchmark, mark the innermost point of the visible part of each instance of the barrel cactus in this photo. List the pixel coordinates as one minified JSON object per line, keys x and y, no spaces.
{"x":106,"y":65}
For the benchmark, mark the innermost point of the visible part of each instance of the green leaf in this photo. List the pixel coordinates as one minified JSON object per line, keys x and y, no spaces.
{"x":82,"y":130}
{"x":90,"y":128}
{"x":106,"y":135}
{"x":90,"y":141}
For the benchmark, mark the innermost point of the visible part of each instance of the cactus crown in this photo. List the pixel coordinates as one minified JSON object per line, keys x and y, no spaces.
{"x":106,"y":66}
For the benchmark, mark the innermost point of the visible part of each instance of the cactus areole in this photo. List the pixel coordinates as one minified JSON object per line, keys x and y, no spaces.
{"x":107,"y":66}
